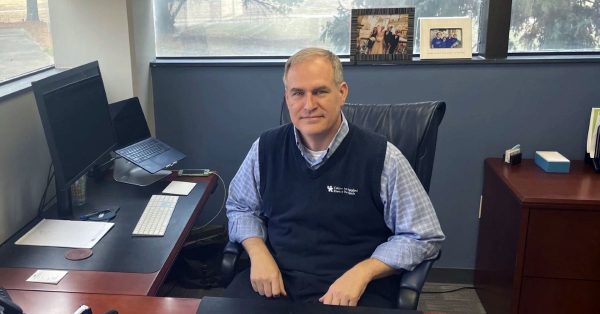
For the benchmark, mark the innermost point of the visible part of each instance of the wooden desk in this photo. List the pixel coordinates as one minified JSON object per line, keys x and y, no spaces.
{"x":103,"y":282}
{"x":43,"y":302}
{"x":539,"y":240}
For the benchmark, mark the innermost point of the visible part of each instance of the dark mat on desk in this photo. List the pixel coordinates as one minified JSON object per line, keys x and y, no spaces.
{"x":218,"y":305}
{"x":118,"y":250}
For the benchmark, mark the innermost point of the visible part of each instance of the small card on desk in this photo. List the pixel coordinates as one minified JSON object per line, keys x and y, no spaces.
{"x":179,"y":188}
{"x":47,"y":276}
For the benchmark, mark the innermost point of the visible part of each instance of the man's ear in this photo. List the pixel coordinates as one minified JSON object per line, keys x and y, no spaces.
{"x":344,"y":91}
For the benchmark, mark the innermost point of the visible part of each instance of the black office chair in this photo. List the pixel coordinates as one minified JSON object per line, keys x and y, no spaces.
{"x":413,"y":129}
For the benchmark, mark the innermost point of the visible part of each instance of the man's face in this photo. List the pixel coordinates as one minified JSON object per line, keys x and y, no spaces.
{"x":314,"y":100}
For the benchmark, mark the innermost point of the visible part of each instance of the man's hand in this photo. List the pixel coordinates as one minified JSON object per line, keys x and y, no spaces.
{"x":348,"y":289}
{"x":265,"y":275}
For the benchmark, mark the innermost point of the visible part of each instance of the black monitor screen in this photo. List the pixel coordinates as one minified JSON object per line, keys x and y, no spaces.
{"x":129,"y":122}
{"x":78,"y":125}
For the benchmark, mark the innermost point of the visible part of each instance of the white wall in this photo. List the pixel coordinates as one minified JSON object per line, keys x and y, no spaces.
{"x":84,"y":31}
{"x":141,"y":33}
{"x":24,"y":162}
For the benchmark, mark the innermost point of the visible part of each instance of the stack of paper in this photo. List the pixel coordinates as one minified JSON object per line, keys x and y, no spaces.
{"x":592,"y":138}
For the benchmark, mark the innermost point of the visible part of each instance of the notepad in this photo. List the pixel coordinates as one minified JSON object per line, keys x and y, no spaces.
{"x":48,"y":276}
{"x":66,"y":233}
{"x":179,"y":188}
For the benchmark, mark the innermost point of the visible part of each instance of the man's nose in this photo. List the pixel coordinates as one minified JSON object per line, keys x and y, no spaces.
{"x":309,"y":104}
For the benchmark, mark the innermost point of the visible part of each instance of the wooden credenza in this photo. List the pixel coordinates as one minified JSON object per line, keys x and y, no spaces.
{"x":538,"y":248}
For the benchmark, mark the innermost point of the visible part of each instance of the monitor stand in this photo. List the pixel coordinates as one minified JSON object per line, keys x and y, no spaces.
{"x":127,"y":172}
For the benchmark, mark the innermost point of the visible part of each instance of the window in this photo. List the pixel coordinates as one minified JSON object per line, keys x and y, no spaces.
{"x":230,"y":28}
{"x":555,"y":26}
{"x":26,"y":43}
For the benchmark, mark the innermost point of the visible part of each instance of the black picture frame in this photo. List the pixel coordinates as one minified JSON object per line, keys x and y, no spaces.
{"x":368,"y":49}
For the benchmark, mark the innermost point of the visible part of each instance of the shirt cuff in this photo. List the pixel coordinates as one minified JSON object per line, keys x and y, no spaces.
{"x":403,"y":255}
{"x":246,"y":228}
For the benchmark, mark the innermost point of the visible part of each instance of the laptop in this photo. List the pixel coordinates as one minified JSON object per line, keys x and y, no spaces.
{"x":134,"y":141}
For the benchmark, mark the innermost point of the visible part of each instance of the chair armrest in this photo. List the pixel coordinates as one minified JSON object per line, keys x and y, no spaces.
{"x":411,"y":284}
{"x":231,"y":254}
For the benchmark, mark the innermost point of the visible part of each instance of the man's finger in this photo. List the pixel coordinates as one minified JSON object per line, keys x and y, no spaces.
{"x":335,"y":300}
{"x":267,"y":289}
{"x":326,"y":299}
{"x":344,"y":301}
{"x":282,"y":286}
{"x":275,"y":286}
{"x":253,"y":286}
{"x":353,"y":303}
{"x":260,"y":288}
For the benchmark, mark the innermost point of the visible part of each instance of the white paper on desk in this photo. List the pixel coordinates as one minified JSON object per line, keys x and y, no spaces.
{"x":179,"y":188}
{"x":593,"y":132}
{"x":47,"y":276}
{"x":66,"y":233}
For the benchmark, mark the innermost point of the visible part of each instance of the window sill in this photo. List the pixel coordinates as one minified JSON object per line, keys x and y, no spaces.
{"x":278,"y":61}
{"x":23,"y":84}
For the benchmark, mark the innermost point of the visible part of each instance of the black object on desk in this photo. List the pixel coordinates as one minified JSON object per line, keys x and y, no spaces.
{"x":7,"y":306}
{"x":217,"y":305}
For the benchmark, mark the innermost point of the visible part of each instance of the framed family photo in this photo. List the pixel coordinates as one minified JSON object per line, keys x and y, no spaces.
{"x":382,"y":35}
{"x":445,"y":38}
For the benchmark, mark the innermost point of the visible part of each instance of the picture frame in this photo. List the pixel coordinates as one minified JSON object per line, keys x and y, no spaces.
{"x":384,"y":35}
{"x":445,"y":38}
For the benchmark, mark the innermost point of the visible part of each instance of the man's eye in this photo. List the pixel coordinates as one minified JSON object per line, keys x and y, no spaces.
{"x":297,"y":93}
{"x":321,"y":92}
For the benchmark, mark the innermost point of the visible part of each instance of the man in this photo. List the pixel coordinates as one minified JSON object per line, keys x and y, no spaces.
{"x":388,"y":38}
{"x":452,"y":41}
{"x":438,"y":41}
{"x":394,"y":42}
{"x":326,"y":211}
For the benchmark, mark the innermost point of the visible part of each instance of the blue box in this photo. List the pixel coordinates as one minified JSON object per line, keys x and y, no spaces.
{"x":552,"y":161}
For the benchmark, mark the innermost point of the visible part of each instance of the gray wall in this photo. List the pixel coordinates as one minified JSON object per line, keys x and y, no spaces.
{"x":213,"y":114}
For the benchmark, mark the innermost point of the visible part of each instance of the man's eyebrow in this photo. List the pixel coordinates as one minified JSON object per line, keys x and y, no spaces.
{"x":320,"y":88}
{"x":295,"y":89}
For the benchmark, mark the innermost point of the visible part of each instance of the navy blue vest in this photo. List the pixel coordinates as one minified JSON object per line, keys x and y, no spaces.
{"x":324,"y":221}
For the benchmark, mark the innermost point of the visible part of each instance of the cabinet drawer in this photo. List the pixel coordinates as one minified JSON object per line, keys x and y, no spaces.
{"x":563,"y":244}
{"x":541,"y":295}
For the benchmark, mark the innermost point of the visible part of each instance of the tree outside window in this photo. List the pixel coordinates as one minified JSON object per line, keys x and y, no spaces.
{"x":555,"y":25}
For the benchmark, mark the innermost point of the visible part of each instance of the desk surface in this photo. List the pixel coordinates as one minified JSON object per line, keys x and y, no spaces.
{"x":133,"y":283}
{"x":534,"y":187}
{"x":34,"y":302}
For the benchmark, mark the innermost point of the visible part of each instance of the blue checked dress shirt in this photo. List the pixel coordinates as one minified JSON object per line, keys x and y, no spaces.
{"x":408,"y":211}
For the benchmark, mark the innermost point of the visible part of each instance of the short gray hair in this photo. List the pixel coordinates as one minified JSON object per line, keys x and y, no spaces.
{"x":311,"y":53}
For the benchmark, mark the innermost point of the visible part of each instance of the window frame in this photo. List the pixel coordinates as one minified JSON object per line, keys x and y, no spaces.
{"x":494,"y":32}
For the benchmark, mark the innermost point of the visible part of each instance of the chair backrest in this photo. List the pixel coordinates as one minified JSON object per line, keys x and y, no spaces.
{"x":412,"y":127}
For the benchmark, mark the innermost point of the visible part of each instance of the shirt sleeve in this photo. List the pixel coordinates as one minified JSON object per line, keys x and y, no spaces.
{"x":244,"y":202}
{"x":408,"y":212}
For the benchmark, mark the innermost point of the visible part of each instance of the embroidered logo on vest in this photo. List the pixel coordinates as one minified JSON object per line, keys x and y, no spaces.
{"x":337,"y":189}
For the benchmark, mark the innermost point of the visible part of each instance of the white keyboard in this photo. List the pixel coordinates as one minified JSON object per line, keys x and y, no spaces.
{"x":156,"y":216}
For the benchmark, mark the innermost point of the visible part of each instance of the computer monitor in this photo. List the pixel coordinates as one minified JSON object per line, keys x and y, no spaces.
{"x":74,"y":111}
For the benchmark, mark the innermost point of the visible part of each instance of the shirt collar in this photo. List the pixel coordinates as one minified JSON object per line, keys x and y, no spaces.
{"x":335,"y":143}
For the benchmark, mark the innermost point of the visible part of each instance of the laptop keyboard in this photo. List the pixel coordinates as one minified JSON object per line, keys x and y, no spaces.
{"x":143,"y":150}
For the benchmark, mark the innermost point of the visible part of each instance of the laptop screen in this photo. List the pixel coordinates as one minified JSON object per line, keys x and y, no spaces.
{"x":129,"y":122}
